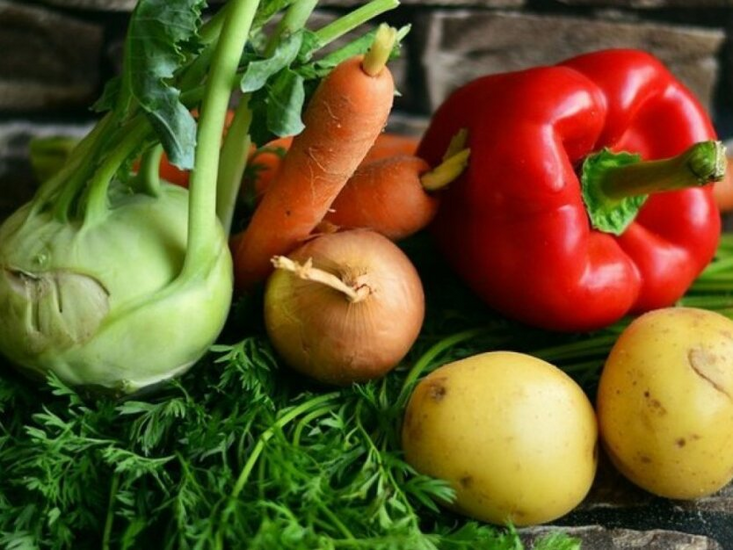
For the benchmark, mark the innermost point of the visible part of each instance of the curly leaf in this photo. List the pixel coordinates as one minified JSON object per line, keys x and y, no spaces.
{"x":258,"y":72}
{"x":285,"y":104}
{"x":158,"y":35}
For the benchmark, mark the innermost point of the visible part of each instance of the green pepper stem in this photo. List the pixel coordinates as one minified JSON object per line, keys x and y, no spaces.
{"x":699,"y":165}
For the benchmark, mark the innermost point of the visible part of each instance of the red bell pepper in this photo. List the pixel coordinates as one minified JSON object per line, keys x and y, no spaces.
{"x":515,"y":225}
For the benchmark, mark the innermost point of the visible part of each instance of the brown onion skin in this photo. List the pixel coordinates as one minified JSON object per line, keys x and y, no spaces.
{"x":320,"y":333}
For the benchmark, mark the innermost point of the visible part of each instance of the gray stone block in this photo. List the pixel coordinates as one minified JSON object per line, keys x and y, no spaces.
{"x":17,"y":181}
{"x":436,"y":3}
{"x":655,"y":4}
{"x":96,"y":5}
{"x":49,"y":60}
{"x":596,"y":537}
{"x":460,"y":46}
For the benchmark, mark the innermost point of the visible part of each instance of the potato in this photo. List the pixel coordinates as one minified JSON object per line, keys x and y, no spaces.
{"x":665,"y":402}
{"x":513,"y":435}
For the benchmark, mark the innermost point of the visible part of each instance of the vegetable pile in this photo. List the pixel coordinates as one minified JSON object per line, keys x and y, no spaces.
{"x":349,"y":391}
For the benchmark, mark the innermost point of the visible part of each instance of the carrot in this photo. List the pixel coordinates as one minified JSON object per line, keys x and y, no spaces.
{"x":263,"y":165}
{"x":394,"y":196}
{"x":392,"y":145}
{"x":265,"y":162}
{"x":343,"y":119}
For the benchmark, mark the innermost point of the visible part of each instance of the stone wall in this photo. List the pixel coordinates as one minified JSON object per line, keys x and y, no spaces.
{"x":56,"y":54}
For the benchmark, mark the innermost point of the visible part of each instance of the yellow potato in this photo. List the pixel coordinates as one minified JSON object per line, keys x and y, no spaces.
{"x":513,"y":435}
{"x":665,"y":402}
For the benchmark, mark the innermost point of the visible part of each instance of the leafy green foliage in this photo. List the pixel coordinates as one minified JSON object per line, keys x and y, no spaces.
{"x":155,"y":48}
{"x":237,"y":453}
{"x":259,"y":70}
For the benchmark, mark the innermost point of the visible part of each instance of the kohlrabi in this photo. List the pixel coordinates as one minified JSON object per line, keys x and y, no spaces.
{"x":118,"y":280}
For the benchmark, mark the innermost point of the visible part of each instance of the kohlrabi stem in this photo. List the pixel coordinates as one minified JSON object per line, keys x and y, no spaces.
{"x":211,"y":30}
{"x":72,"y":177}
{"x":233,"y":162}
{"x":149,"y":174}
{"x":237,"y":141}
{"x":307,"y":272}
{"x":701,"y":164}
{"x":194,"y":74}
{"x":202,"y":220}
{"x":351,"y":21}
{"x":97,"y":205}
{"x":294,"y":19}
{"x":209,"y":33}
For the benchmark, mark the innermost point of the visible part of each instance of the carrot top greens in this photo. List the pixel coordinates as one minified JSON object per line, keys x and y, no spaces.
{"x":240,"y":452}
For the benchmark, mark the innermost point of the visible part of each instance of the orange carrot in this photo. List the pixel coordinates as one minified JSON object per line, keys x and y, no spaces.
{"x":394,"y":196}
{"x":263,"y":166}
{"x":265,"y":162}
{"x":343,"y":119}
{"x":387,"y":196}
{"x":392,"y":145}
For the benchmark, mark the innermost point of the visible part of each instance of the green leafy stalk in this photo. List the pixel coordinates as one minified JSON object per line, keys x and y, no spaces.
{"x":233,"y":163}
{"x":202,"y":210}
{"x":149,"y":67}
{"x":358,"y":17}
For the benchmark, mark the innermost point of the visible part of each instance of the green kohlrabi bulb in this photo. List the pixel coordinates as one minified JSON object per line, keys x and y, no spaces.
{"x":101,"y":304}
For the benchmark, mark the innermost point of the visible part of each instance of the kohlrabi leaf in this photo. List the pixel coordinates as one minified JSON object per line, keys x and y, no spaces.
{"x":111,"y":92}
{"x":285,"y":104}
{"x":160,"y":31}
{"x":258,"y":72}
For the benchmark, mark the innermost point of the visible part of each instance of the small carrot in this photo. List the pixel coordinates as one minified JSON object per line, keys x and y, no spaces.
{"x":263,"y":165}
{"x":265,"y":162}
{"x":342,"y":121}
{"x":392,"y":145}
{"x":395,"y":196}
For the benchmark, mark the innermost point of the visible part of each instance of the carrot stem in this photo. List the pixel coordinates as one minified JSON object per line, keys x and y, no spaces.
{"x":307,"y":272}
{"x":376,"y":58}
{"x":446,"y":172}
{"x":457,"y":143}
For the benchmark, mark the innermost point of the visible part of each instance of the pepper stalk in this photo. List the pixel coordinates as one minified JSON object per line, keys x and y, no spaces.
{"x":616,"y":185}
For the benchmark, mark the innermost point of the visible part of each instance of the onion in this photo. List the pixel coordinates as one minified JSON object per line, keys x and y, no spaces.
{"x":344,"y":307}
